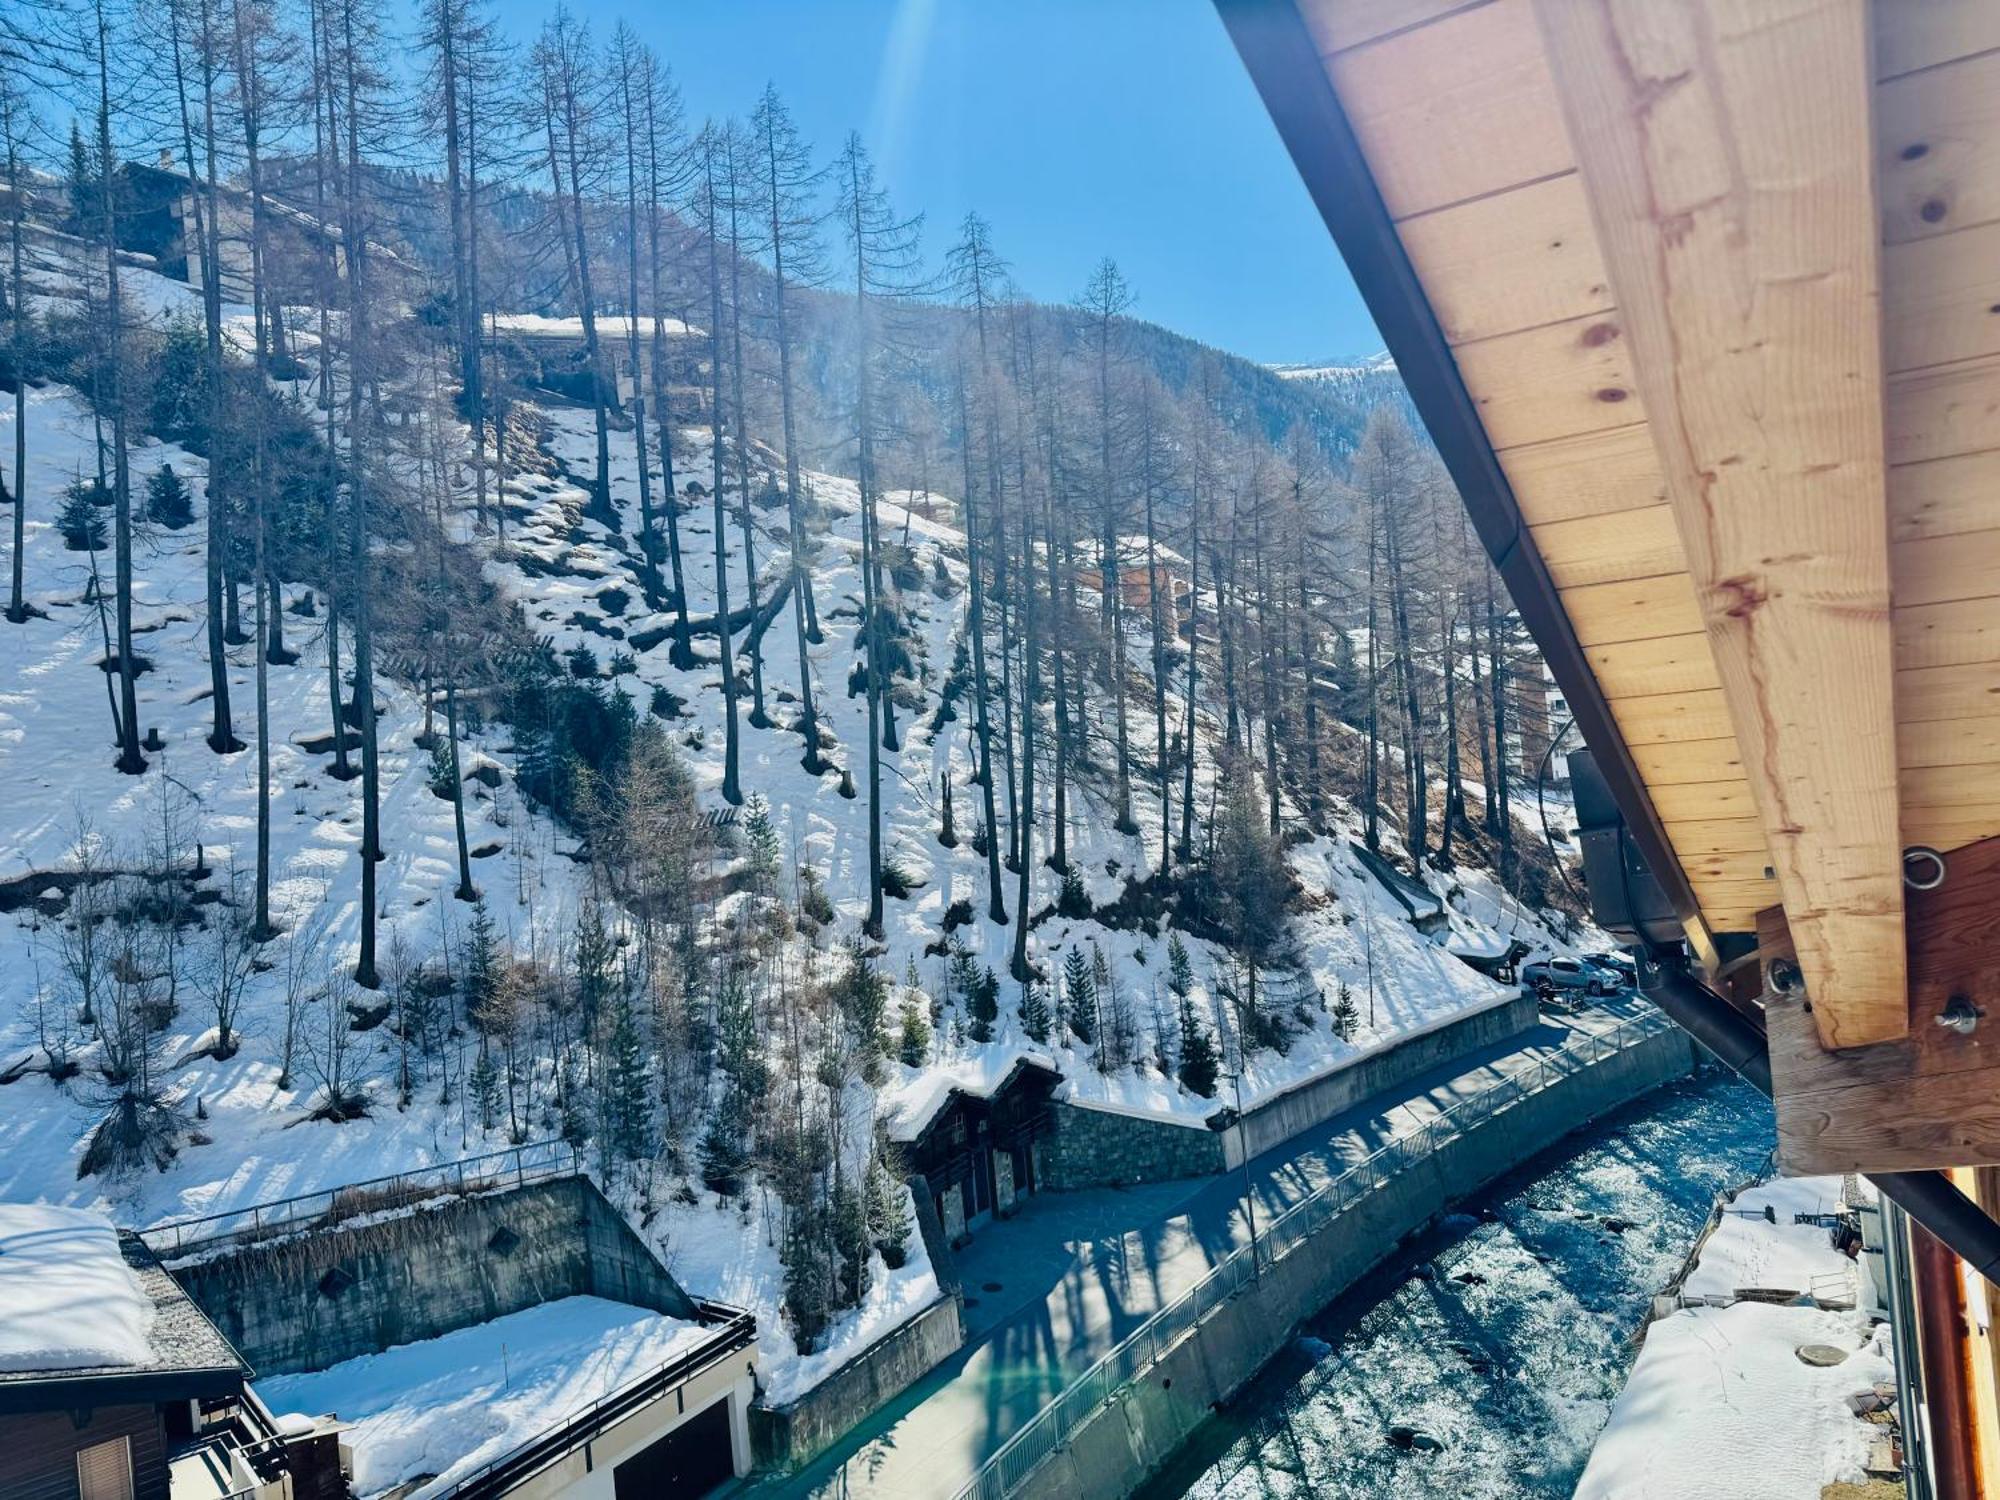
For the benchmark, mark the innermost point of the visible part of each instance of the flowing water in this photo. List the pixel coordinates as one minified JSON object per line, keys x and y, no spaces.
{"x":1482,"y":1361}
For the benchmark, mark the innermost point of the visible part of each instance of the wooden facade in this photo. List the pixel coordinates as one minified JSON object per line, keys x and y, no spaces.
{"x":977,"y":1151}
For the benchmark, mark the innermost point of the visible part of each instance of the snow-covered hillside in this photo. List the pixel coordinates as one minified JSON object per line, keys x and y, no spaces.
{"x":250,"y":1135}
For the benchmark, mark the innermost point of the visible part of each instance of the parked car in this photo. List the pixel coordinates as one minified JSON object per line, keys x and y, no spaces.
{"x":1569,"y":978}
{"x":1621,"y":969}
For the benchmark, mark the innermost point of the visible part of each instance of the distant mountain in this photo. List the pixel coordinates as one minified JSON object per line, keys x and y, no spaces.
{"x":1337,"y":369}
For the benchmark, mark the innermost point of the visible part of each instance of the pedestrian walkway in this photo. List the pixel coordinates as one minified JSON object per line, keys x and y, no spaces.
{"x":1052,"y":1290}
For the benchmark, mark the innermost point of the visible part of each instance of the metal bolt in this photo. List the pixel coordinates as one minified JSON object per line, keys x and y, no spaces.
{"x":1960,"y":1015}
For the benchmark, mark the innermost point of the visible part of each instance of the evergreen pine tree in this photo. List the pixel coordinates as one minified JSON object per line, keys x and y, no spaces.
{"x":851,"y":1245}
{"x":1035,"y":1018}
{"x":628,"y":1082}
{"x":1180,"y":970}
{"x":914,"y":1047}
{"x":1198,"y":1062}
{"x":889,"y":1217}
{"x":1079,"y":997}
{"x":479,"y":964}
{"x":168,"y":502}
{"x":761,"y":838}
{"x":79,"y":520}
{"x":1074,"y":899}
{"x":1346,"y":1018}
{"x":983,"y":1002}
{"x":485,"y":1086}
{"x":594,"y":978}
{"x":808,"y":1290}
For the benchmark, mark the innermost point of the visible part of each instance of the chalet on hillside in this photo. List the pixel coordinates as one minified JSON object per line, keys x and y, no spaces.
{"x":976,"y":1149}
{"x":169,"y":1416}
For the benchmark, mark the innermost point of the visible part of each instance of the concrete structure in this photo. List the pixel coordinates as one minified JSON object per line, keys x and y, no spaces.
{"x":1126,"y":1440}
{"x":314,"y":1299}
{"x":1051,"y":1292}
{"x":1093,"y":1147}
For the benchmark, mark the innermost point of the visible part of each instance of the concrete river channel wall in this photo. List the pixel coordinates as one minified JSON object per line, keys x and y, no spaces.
{"x":1118,"y":1424}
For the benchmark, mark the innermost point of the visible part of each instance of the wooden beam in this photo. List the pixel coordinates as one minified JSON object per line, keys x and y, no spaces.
{"x":1929,"y":1100}
{"x":1727,"y":151}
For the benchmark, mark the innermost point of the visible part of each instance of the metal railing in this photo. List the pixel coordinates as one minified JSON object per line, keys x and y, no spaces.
{"x":514,"y":1167}
{"x":1050,"y":1429}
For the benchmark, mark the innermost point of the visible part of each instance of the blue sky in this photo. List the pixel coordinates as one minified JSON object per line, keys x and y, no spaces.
{"x":1080,"y":128}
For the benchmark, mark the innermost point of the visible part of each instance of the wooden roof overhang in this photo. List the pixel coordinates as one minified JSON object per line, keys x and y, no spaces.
{"x":1700,"y":300}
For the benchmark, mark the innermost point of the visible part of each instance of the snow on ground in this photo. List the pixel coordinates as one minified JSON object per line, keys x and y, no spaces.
{"x":68,"y":1301}
{"x":725,"y":1251}
{"x":56,"y":755}
{"x":1719,"y":1402}
{"x":1749,"y":1252}
{"x":447,"y":1406}
{"x":567,"y":573}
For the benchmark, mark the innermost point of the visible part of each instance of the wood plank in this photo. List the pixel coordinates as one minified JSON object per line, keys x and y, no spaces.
{"x":1693,"y":802}
{"x":1338,"y":24}
{"x":1969,"y":690}
{"x":1552,"y":382}
{"x":1750,"y":866}
{"x":1941,"y":298}
{"x":1934,"y":139}
{"x":1635,"y":609}
{"x":1690,"y":762}
{"x":1944,"y":497}
{"x":1930,"y":1099}
{"x":1949,"y":742}
{"x":1669,"y":664}
{"x":1936,"y":413}
{"x":1913,"y":34}
{"x":1943,"y":635}
{"x":1732,"y":905}
{"x":1670,"y":718}
{"x":1951,"y":827}
{"x":1454,"y":110}
{"x":1718,"y":836}
{"x":1944,"y":788}
{"x":1510,"y":261}
{"x":1592,"y":474}
{"x":1939,"y":569}
{"x":1609,"y":549}
{"x":1728,"y":153}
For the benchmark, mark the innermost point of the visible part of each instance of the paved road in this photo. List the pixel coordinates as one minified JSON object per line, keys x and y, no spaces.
{"x":1052,"y":1290}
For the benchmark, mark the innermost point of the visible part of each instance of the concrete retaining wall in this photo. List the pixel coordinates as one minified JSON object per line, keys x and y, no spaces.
{"x":1112,"y":1453}
{"x":319,"y":1298}
{"x":1304,"y":1105}
{"x":784,"y":1437}
{"x":1092,"y":1147}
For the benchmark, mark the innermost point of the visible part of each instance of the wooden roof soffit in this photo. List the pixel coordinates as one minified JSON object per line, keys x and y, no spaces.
{"x":1930,"y":1100}
{"x":1727,"y":151}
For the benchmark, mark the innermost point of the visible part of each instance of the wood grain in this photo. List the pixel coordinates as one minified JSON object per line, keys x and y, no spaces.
{"x":1455,"y":109}
{"x":1665,"y":664}
{"x":1552,"y":382}
{"x":1611,"y":548}
{"x":1728,"y":155}
{"x":1593,"y":474}
{"x":1510,"y":261}
{"x":1934,"y":138}
{"x":1931,"y":1099}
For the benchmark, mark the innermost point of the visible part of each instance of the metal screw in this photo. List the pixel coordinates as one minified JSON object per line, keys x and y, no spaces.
{"x":1960,"y":1015}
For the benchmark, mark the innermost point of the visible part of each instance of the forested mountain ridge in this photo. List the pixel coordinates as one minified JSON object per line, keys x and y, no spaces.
{"x":681,"y":672}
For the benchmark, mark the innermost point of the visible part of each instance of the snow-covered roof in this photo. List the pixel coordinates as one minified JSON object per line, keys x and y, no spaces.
{"x":80,"y":1302}
{"x":447,"y":1406}
{"x":67,"y":1299}
{"x":914,"y":1110}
